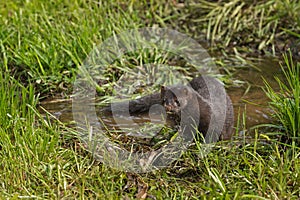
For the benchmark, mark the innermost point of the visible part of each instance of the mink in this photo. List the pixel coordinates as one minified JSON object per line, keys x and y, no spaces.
{"x":204,"y":101}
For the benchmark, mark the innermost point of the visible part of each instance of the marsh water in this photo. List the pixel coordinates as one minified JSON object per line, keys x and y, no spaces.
{"x":248,"y":97}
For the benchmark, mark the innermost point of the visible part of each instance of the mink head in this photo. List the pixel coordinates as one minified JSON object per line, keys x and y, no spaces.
{"x":174,"y":99}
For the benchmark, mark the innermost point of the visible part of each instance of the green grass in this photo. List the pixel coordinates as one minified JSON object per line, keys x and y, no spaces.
{"x":285,"y":103}
{"x":244,"y":25}
{"x":40,"y":159}
{"x":42,"y":44}
{"x":46,"y":41}
{"x":44,"y":160}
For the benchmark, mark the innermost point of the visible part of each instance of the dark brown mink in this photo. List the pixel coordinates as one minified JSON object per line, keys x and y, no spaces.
{"x":204,"y":100}
{"x":214,"y":92}
{"x":193,"y":110}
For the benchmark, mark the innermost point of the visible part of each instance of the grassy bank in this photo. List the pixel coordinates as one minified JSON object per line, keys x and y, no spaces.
{"x":46,"y":41}
{"x":43,"y":159}
{"x":43,"y":44}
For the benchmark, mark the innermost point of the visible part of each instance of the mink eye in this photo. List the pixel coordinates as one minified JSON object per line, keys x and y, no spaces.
{"x":177,"y":102}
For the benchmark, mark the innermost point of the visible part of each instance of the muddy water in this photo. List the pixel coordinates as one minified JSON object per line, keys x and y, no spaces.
{"x":248,"y":98}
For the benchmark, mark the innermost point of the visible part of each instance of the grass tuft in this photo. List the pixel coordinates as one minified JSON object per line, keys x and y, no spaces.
{"x":286,"y":102}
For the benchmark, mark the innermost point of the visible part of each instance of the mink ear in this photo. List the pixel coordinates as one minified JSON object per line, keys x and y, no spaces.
{"x":163,"y":89}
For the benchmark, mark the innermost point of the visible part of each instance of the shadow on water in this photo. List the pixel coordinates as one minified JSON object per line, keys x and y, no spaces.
{"x":249,"y":98}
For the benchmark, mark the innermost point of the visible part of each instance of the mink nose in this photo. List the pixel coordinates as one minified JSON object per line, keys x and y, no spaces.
{"x":168,"y":106}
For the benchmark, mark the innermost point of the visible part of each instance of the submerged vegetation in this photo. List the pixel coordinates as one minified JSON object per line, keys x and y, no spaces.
{"x":42,"y":45}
